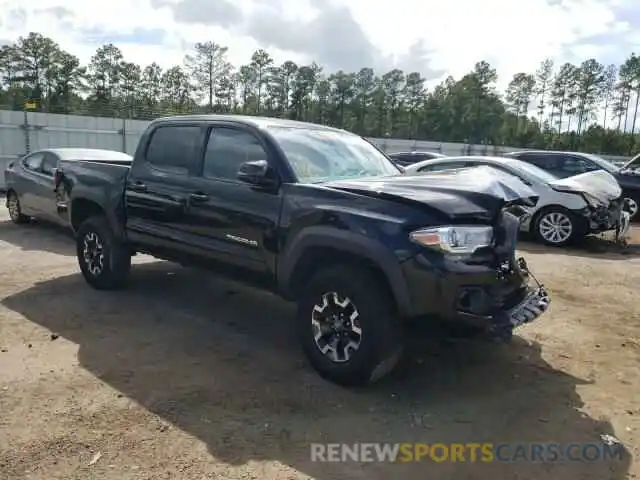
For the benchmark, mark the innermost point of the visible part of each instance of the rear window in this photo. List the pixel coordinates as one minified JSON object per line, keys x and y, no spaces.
{"x":173,"y":147}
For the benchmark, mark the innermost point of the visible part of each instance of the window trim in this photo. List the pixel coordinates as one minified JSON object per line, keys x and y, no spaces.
{"x":31,"y":155}
{"x":197,"y":150}
{"x":57,"y":161}
{"x":208,"y":133}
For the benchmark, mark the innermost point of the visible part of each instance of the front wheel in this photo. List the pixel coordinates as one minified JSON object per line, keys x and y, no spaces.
{"x":555,"y":226}
{"x":105,"y":261}
{"x":15,"y":210}
{"x":348,"y":327}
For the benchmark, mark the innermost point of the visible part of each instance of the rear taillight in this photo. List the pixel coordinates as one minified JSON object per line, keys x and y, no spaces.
{"x":57,"y":178}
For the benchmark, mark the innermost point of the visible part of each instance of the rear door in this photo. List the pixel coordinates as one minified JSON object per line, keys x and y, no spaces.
{"x":159,"y":184}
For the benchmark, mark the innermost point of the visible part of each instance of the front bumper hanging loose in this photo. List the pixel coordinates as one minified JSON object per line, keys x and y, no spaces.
{"x":532,"y":306}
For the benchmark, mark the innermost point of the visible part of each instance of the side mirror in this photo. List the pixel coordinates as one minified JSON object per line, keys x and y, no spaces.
{"x":257,"y":173}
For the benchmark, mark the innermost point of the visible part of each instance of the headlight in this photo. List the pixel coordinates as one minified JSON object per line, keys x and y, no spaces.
{"x":462,"y":239}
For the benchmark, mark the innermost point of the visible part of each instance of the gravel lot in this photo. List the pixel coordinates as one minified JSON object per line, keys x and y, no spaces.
{"x":186,"y":376}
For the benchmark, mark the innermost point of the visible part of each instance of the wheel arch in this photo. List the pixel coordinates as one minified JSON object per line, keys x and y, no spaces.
{"x":320,"y":247}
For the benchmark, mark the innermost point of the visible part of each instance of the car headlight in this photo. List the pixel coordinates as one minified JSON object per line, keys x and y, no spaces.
{"x":462,"y":239}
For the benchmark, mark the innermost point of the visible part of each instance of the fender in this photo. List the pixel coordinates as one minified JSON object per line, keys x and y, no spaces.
{"x":348,"y":242}
{"x":109,"y":202}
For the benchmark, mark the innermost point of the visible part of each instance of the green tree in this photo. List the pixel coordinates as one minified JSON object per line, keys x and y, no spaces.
{"x":207,"y":64}
{"x":518,"y":96}
{"x":608,"y":90}
{"x":260,"y":63}
{"x":543,"y":77}
{"x":390,"y":103}
{"x":590,"y":78}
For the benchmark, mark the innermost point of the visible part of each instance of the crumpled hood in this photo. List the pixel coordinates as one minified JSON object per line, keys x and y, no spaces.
{"x":476,"y":191}
{"x":599,"y":184}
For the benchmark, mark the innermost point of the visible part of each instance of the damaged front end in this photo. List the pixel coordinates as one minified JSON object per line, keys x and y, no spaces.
{"x":605,"y":207}
{"x":508,"y":295}
{"x":463,"y":269}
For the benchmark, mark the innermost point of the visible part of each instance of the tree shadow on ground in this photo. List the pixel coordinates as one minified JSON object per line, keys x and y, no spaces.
{"x":220,"y":362}
{"x":38,"y":236}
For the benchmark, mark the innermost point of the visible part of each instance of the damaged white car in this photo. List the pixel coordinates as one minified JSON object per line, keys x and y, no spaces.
{"x":567,"y":209}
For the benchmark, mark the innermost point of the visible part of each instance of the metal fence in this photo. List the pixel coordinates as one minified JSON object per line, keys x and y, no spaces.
{"x":23,"y":132}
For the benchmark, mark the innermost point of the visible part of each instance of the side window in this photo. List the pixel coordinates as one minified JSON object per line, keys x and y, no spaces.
{"x":34,"y":162}
{"x":173,"y":148}
{"x":49,"y":164}
{"x":541,"y":161}
{"x":575,"y":165}
{"x":442,"y":166}
{"x":227,"y":149}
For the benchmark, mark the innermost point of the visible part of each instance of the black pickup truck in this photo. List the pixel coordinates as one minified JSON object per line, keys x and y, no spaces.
{"x":321,"y":217}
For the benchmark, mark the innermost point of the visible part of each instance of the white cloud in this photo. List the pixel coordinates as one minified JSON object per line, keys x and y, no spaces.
{"x":513,"y":35}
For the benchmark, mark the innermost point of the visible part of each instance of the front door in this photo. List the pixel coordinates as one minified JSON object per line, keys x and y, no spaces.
{"x":35,"y":186}
{"x":234,"y":222}
{"x":46,"y":193}
{"x":28,"y":176}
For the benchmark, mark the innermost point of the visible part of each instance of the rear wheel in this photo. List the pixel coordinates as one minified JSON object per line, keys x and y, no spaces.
{"x":555,"y":226}
{"x":15,"y":210}
{"x":104,"y":260}
{"x":348,"y":327}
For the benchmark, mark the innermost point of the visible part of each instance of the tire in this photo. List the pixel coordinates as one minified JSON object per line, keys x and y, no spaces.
{"x":112,"y":272}
{"x":15,"y":211}
{"x":631,"y":203}
{"x":555,"y":215}
{"x":382,"y":336}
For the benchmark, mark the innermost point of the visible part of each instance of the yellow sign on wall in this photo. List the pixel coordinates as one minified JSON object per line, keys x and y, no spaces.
{"x":30,"y":105}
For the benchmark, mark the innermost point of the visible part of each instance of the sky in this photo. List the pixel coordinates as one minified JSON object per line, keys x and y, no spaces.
{"x":436,"y":38}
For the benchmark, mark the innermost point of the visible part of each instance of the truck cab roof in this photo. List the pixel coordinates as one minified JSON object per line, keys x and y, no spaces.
{"x":257,"y":122}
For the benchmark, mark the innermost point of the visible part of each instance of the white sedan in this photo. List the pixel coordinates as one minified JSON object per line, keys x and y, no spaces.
{"x":567,"y":209}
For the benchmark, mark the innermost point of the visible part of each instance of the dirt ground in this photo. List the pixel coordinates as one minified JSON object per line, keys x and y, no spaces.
{"x":186,"y":376}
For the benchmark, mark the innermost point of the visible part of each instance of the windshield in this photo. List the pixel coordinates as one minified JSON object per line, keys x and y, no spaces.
{"x":323,"y":155}
{"x":601,"y":162}
{"x":531,"y":170}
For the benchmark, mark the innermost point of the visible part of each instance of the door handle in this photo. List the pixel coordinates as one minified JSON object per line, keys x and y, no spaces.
{"x":138,"y":187}
{"x":199,"y":197}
